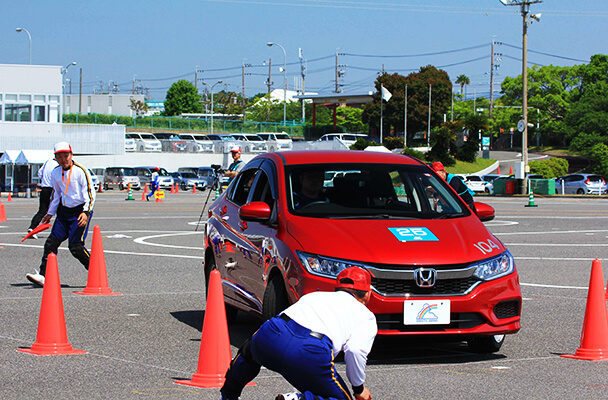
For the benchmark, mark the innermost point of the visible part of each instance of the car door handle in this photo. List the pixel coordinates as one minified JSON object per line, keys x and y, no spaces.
{"x":230,"y":265}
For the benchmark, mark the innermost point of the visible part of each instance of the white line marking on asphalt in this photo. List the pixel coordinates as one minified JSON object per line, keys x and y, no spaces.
{"x":553,"y":286}
{"x":552,"y":232}
{"x":558,"y":244}
{"x":142,"y":240}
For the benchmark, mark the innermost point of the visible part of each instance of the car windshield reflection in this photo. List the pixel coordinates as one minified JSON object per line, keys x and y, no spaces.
{"x":382,"y":191}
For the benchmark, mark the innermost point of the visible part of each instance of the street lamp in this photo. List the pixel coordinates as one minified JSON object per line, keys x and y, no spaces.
{"x":525,"y":9}
{"x":212,"y":111}
{"x":30,"y":37}
{"x":63,"y":72}
{"x":270,"y":44}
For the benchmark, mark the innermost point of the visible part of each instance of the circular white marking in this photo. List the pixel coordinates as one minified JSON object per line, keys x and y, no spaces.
{"x":142,"y":240}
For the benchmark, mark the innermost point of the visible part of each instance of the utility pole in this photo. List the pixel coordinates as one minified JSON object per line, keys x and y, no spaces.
{"x":80,"y":94}
{"x":269,"y":82}
{"x":303,"y":71}
{"x":492,"y":79}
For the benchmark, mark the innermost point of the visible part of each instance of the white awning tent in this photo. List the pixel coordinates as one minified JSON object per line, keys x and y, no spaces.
{"x":34,"y":157}
{"x":9,"y":156}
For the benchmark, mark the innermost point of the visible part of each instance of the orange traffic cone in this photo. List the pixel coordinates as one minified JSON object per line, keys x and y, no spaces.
{"x":193,"y":189}
{"x":594,"y":338}
{"x":176,"y":188}
{"x":10,"y":198}
{"x":2,"y":211}
{"x":510,"y":170}
{"x":52,"y":336}
{"x":214,"y":354}
{"x":99,"y":190}
{"x":172,"y":189}
{"x":498,"y":170}
{"x":97,"y":281}
{"x":146,"y":188}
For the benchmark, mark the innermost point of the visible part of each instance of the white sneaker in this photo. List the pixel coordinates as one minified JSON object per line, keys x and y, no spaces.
{"x":36,"y":279}
{"x":289,"y":396}
{"x":34,"y":236}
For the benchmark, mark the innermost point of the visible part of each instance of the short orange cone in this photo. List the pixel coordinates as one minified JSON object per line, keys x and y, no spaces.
{"x":193,"y":189}
{"x":172,"y":189}
{"x":10,"y":198}
{"x":97,"y":281}
{"x":176,"y":188}
{"x":214,"y":355}
{"x":52,"y":336}
{"x":510,"y":170}
{"x":594,"y":338}
{"x":498,"y":170}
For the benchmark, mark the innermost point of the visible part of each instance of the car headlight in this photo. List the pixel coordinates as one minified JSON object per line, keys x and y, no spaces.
{"x":495,"y":267}
{"x":323,"y":266}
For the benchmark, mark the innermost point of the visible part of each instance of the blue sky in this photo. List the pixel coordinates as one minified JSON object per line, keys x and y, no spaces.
{"x":158,"y":42}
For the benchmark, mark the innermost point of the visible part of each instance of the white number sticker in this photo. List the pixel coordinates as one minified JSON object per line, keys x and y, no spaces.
{"x":486,"y":247}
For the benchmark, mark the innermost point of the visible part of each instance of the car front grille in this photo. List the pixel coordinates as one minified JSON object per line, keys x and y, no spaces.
{"x":392,"y":287}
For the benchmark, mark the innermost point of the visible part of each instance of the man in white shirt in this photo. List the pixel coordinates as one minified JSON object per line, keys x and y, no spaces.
{"x":301,"y":343}
{"x":73,"y":200}
{"x":44,"y":174}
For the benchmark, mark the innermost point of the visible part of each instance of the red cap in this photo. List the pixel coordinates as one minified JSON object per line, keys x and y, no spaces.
{"x":62,"y":147}
{"x":235,"y":149}
{"x":437,"y":166}
{"x":354,"y":278}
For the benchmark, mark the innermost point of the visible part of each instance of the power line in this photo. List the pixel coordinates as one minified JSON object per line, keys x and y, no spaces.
{"x":417,"y":55}
{"x":545,"y":54}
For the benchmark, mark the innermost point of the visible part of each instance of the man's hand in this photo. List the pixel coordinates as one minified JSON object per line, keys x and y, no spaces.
{"x":82,"y":219}
{"x":364,"y":395}
{"x":46,"y":219}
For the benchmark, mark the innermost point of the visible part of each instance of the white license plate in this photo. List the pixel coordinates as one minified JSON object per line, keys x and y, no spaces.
{"x":426,"y":312}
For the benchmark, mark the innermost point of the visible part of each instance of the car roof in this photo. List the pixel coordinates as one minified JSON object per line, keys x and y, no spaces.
{"x":340,"y":156}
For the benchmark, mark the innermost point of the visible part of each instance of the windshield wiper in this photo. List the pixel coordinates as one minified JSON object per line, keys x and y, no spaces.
{"x":376,"y":216}
{"x":449,"y":216}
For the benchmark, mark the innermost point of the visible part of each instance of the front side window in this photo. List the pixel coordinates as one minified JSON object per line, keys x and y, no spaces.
{"x":243,"y":186}
{"x":370,"y":191}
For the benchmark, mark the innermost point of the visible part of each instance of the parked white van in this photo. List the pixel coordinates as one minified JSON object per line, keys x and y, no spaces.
{"x":277,"y":141}
{"x":347,"y":138}
{"x":146,"y":141}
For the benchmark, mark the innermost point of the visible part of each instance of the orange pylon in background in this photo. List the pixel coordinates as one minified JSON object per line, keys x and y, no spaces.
{"x":2,"y":211}
{"x":194,"y":189}
{"x":52,"y":336}
{"x":594,"y":338}
{"x":10,"y":198}
{"x":510,"y":170}
{"x":498,"y":170}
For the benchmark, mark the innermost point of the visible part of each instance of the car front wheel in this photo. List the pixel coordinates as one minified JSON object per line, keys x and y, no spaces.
{"x":486,"y":344}
{"x":275,"y":298}
{"x":580,"y":191}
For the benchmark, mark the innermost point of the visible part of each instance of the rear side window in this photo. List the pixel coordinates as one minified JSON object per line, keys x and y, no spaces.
{"x":243,"y":186}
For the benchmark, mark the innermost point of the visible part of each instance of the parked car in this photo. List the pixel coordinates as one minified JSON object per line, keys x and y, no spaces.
{"x":277,"y":141}
{"x":130,"y":142}
{"x":197,"y":143}
{"x":165,"y":181}
{"x":347,"y":138}
{"x":145,"y":141}
{"x":580,"y":184}
{"x":475,"y":183}
{"x":250,"y":142}
{"x":436,"y":270}
{"x":121,"y":178}
{"x":491,"y":177}
{"x":223,"y":143}
{"x":187,"y":180}
{"x":94,"y":179}
{"x":207,"y":174}
{"x":171,"y":142}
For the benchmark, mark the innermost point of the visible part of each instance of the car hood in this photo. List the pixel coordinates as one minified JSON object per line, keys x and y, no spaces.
{"x":460,"y":240}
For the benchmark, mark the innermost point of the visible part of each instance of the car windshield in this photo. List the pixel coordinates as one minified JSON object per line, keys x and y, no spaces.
{"x":227,"y":137}
{"x":147,"y":136}
{"x":369,"y":191}
{"x":188,"y":175}
{"x":201,"y":138}
{"x":254,"y":138}
{"x":128,"y":172}
{"x":282,"y":136}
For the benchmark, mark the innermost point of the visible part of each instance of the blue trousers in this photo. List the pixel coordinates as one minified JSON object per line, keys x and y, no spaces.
{"x":153,"y":189}
{"x":66,"y":227}
{"x":305,"y":361}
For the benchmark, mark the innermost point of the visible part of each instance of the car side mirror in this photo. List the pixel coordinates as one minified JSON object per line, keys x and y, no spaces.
{"x":484,"y":211}
{"x":256,"y":211}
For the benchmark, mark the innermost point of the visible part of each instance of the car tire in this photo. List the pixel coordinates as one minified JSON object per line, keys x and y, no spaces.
{"x":121,"y":186}
{"x":486,"y":344}
{"x":105,"y":186}
{"x":231,"y":312}
{"x":182,"y":186}
{"x":580,"y":191}
{"x":487,"y":190}
{"x":275,"y":298}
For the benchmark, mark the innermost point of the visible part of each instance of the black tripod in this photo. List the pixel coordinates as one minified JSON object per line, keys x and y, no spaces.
{"x":217,"y":172}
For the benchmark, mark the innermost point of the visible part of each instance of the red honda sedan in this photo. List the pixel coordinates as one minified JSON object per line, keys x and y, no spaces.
{"x":291,"y":221}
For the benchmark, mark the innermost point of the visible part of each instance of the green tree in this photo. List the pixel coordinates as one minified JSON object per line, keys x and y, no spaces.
{"x":462,"y":80}
{"x":182,"y":97}
{"x":139,"y":107}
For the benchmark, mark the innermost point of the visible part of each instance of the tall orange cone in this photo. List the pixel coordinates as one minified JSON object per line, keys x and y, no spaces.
{"x":498,"y":170}
{"x":97,"y":281}
{"x":2,"y":210}
{"x":10,"y":198}
{"x":510,"y":170}
{"x":193,"y":189}
{"x":172,"y":189}
{"x":176,"y":188}
{"x":214,"y":355}
{"x":594,"y":338}
{"x":52,"y":336}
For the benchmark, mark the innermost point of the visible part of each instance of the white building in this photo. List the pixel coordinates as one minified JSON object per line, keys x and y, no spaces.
{"x":112,"y":104}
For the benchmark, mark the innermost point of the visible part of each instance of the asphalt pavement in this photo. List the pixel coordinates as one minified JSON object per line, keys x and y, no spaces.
{"x":139,"y":343}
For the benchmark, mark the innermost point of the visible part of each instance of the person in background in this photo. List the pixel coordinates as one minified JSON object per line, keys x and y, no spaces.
{"x":153,"y":183}
{"x":302,"y":342}
{"x":72,"y":203}
{"x":456,"y":183}
{"x":237,"y":164}
{"x":46,"y":191}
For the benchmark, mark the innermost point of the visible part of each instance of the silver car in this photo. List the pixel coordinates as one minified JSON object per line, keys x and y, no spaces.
{"x":580,"y":184}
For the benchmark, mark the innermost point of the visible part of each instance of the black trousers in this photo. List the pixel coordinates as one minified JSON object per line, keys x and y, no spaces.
{"x":43,"y":206}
